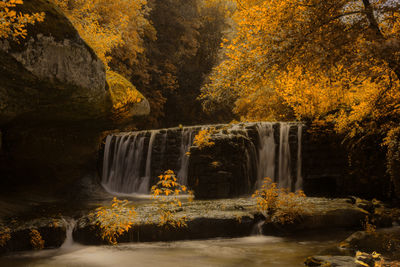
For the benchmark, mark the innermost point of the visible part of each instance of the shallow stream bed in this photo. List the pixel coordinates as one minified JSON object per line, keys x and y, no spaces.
{"x":246,"y":251}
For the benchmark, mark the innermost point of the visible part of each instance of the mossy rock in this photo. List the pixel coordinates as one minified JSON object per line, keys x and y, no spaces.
{"x":127,"y":101}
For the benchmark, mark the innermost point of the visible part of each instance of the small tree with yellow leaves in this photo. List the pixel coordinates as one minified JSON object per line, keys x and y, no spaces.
{"x":115,"y":220}
{"x":279,"y":204}
{"x":13,"y":24}
{"x":165,"y":194}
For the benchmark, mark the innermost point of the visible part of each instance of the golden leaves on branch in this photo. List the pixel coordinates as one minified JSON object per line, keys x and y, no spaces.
{"x":12,"y":23}
{"x":115,"y":220}
{"x":166,"y":195}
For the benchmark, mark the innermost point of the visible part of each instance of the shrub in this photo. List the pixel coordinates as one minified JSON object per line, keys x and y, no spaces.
{"x":115,"y":220}
{"x":279,"y":204}
{"x":165,"y":193}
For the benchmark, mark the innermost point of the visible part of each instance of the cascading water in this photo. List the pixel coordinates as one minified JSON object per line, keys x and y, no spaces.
{"x":266,"y":151}
{"x":122,"y":163}
{"x":285,"y":179}
{"x":69,"y":240}
{"x":133,"y":160}
{"x":187,"y":140}
{"x":299,"y":178}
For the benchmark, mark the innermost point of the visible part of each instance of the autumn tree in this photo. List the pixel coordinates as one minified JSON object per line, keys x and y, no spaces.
{"x":110,"y":24}
{"x":327,"y":62}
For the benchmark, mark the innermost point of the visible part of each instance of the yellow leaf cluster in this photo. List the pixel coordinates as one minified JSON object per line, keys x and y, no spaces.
{"x":203,"y":138}
{"x":165,"y":193}
{"x":12,"y":23}
{"x":115,"y":220}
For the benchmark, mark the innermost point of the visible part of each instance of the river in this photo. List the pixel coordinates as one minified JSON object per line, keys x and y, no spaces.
{"x":246,"y":251}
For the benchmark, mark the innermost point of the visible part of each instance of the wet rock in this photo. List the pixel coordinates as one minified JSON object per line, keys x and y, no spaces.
{"x":385,"y":241}
{"x":51,"y":230}
{"x":224,"y":218}
{"x":330,"y":261}
{"x":222,"y":170}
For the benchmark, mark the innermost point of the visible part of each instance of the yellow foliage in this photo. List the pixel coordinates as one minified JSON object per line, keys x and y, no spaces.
{"x":36,"y":239}
{"x":107,"y":24}
{"x":115,"y":220}
{"x":312,"y":60}
{"x":5,"y":235}
{"x":12,"y":23}
{"x":280,"y":204}
{"x":165,"y":193}
{"x":203,"y":137}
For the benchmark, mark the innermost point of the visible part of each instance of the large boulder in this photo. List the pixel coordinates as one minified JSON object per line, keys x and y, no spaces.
{"x":55,"y":102}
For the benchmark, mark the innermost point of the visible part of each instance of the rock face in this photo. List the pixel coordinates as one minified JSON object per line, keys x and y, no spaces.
{"x":385,"y":241}
{"x":54,"y":103}
{"x":53,"y":66}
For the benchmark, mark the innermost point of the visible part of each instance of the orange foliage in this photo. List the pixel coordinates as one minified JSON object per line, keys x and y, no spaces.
{"x":331,"y":63}
{"x":12,"y":23}
{"x":280,"y":204}
{"x":107,"y":24}
{"x":115,"y":220}
{"x":165,"y":194}
{"x":203,"y":137}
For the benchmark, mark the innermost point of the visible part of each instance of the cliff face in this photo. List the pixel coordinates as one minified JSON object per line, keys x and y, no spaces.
{"x":54,"y":102}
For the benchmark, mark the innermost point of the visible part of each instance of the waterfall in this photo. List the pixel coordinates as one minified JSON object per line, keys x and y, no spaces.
{"x":285,"y":179}
{"x":299,"y":178}
{"x":122,"y":164}
{"x":187,"y":140}
{"x":266,"y":151}
{"x":69,"y":240}
{"x":132,"y":161}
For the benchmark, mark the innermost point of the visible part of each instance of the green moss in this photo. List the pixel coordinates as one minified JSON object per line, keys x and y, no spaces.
{"x":123,"y":93}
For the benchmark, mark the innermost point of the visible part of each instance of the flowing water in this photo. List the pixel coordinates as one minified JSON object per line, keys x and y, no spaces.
{"x":246,"y":251}
{"x":133,"y":159}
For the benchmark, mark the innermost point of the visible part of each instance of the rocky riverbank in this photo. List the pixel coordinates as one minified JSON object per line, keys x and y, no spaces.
{"x":205,"y":219}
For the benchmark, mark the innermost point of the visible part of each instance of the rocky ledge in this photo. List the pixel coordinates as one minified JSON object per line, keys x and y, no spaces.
{"x":205,"y":219}
{"x":33,"y":234}
{"x":226,"y":218}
